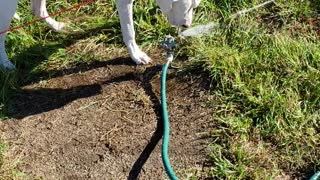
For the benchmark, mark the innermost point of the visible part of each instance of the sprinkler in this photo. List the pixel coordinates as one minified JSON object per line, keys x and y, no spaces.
{"x":169,"y":44}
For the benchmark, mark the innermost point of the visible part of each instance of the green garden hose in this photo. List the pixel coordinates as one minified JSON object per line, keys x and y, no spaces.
{"x":166,"y":124}
{"x":169,"y":45}
{"x":316,"y":176}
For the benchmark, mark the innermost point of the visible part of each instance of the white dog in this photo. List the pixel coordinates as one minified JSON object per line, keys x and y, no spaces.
{"x":178,"y":12}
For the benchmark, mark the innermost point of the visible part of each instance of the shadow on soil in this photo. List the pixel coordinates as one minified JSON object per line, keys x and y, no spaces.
{"x":26,"y":102}
{"x":35,"y":101}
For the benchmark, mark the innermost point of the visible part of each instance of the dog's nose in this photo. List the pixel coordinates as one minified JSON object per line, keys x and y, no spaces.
{"x":186,"y":25}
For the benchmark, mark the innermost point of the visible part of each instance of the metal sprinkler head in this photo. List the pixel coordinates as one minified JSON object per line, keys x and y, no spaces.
{"x":169,"y":44}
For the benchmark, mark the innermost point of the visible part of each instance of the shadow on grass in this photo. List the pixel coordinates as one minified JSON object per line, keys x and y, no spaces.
{"x":30,"y":58}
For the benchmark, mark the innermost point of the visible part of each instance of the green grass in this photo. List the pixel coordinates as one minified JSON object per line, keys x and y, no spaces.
{"x":265,"y":77}
{"x":264,"y":68}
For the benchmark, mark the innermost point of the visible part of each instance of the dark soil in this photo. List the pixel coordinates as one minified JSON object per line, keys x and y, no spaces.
{"x":103,"y":121}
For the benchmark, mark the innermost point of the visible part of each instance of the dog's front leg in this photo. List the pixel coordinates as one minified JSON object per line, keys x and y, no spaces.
{"x":7,"y":10}
{"x":125,"y":9}
{"x":38,"y":8}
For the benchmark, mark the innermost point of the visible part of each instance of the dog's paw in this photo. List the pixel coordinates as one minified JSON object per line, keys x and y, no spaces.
{"x":57,"y":26}
{"x":136,"y":54}
{"x":140,"y":57}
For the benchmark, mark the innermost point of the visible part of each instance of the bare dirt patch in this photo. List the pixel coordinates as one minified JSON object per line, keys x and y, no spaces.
{"x":103,"y":121}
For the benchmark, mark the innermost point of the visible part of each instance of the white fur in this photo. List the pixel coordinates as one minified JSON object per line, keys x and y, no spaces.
{"x":178,"y":12}
{"x":38,"y":8}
